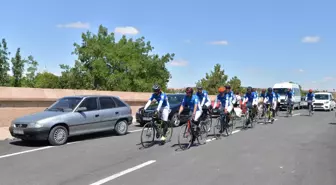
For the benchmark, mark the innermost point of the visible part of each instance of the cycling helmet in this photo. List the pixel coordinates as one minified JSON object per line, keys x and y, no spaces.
{"x":221,"y":89}
{"x":156,"y":88}
{"x":228,"y":87}
{"x":189,"y":90}
{"x":269,"y":89}
{"x":310,"y":90}
{"x":249,"y":88}
{"x":199,"y":87}
{"x":263,"y":90}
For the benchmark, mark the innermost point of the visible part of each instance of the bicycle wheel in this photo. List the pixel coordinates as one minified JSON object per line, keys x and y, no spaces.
{"x":202,"y":134}
{"x":185,"y":132}
{"x":208,"y":123}
{"x":169,"y":133}
{"x":229,"y":128}
{"x":217,"y":127}
{"x":148,"y":132}
{"x":251,"y":120}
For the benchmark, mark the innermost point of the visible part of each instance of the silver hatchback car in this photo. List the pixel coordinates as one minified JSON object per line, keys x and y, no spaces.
{"x":74,"y":115}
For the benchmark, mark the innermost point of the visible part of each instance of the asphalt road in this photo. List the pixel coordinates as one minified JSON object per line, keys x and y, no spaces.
{"x":299,"y":150}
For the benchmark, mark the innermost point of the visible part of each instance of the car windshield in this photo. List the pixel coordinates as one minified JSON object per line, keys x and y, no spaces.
{"x":321,"y":97}
{"x":281,"y":91}
{"x":175,"y":99}
{"x":65,"y":104}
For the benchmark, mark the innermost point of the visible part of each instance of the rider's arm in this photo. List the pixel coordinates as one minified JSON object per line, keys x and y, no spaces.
{"x":313,"y":97}
{"x":195,"y":106}
{"x":181,"y":107}
{"x":306,"y":97}
{"x":149,"y":102}
{"x":160,"y":103}
{"x":215,"y":104}
{"x":245,"y":99}
{"x":204,"y":98}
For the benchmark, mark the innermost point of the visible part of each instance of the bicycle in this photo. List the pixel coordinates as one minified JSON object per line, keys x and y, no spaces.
{"x":289,"y":109}
{"x":206,"y":118}
{"x":223,"y":124}
{"x":268,"y":115}
{"x":310,"y":107}
{"x":188,"y":129}
{"x":155,"y":127}
{"x":250,"y":118}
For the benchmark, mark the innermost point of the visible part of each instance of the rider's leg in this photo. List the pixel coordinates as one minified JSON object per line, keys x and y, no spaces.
{"x":274,"y":107}
{"x":229,"y":109}
{"x":164,"y":117}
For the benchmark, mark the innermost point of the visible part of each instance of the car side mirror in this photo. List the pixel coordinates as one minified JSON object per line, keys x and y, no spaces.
{"x":81,"y":109}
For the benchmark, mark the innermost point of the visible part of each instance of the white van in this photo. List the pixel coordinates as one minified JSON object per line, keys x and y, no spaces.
{"x":282,"y":89}
{"x":324,"y":101}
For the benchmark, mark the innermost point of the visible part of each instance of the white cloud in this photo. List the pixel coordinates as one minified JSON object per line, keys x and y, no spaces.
{"x":301,"y":70}
{"x":179,"y":63}
{"x":127,"y":30}
{"x":220,"y":42}
{"x":187,"y":41}
{"x":311,"y":39}
{"x":76,"y":25}
{"x":328,"y":78}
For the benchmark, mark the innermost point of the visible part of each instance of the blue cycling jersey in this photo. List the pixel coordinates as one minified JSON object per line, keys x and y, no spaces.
{"x":250,"y":96}
{"x":256,"y":95}
{"x":223,"y":98}
{"x":277,"y":95}
{"x":310,"y":96}
{"x":290,"y":94}
{"x":203,"y":94}
{"x":270,"y":97}
{"x":190,"y":101}
{"x":160,"y":97}
{"x":262,"y":95}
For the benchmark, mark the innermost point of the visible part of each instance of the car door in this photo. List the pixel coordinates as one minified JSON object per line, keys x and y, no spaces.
{"x":87,"y":121}
{"x":109,"y":112}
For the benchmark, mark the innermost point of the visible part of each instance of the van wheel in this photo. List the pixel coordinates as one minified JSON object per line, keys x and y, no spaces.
{"x":121,"y":127}
{"x":58,"y":136}
{"x":174,"y":120}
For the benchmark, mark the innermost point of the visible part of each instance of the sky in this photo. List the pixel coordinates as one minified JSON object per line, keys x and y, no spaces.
{"x":262,"y":42}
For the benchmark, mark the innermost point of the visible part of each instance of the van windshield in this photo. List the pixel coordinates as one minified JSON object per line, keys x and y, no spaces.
{"x":281,"y":91}
{"x":321,"y":96}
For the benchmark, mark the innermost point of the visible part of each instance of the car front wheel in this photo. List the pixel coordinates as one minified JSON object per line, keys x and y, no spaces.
{"x":174,"y":120}
{"x":58,"y":135}
{"x":121,"y":127}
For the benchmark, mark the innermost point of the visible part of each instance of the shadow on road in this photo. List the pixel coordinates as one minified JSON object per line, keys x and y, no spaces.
{"x":332,"y":123}
{"x":72,"y":139}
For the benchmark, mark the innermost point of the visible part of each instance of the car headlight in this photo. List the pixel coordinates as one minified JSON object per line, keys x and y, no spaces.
{"x":38,"y":125}
{"x":326,"y":102}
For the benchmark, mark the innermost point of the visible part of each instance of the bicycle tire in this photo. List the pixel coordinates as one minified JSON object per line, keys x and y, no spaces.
{"x":208,"y":123}
{"x":148,"y":126}
{"x":217,"y":127}
{"x":202,"y":136}
{"x":251,"y":121}
{"x":229,"y":128}
{"x":185,"y":130}
{"x":169,"y":133}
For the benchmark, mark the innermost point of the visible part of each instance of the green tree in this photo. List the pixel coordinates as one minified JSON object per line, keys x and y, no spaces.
{"x":215,"y":79}
{"x":76,"y":77}
{"x":126,"y":65}
{"x":4,"y":64}
{"x":235,"y":84}
{"x":31,"y":72}
{"x":46,"y":80}
{"x":17,"y":68}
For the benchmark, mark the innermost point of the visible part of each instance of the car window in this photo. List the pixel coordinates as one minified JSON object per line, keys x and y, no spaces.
{"x":106,"y":103}
{"x":119,"y":102}
{"x":321,"y":96}
{"x":90,"y":104}
{"x":175,"y":99}
{"x":65,"y":104}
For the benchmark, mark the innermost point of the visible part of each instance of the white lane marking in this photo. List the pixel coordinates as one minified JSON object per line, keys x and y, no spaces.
{"x":296,"y":114}
{"x":212,"y":139}
{"x":235,"y":131}
{"x":27,"y":151}
{"x":209,"y":140}
{"x":107,"y":179}
{"x":34,"y":150}
{"x":135,"y":130}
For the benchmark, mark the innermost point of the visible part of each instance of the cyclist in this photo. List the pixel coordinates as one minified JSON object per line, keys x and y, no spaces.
{"x":203,"y":97}
{"x":277,"y":95}
{"x":261,"y":101}
{"x":191,"y":101}
{"x":290,"y":98}
{"x":224,"y":99}
{"x":310,"y":97}
{"x":270,"y":100}
{"x":163,"y":106}
{"x":232,"y":97}
{"x":250,"y":101}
